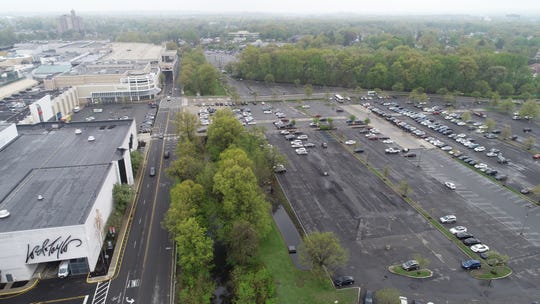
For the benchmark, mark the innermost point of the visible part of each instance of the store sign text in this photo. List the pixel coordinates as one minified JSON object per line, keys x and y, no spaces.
{"x":48,"y":247}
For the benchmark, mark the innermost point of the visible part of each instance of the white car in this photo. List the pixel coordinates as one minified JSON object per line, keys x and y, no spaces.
{"x":388,"y":141}
{"x":450,"y":185}
{"x":284,"y":132}
{"x":446,"y":148}
{"x":491,"y":154}
{"x":479,"y":248}
{"x":267,"y":112}
{"x":303,"y":137}
{"x":296,"y":141}
{"x":447,"y":219}
{"x":457,"y":229}
{"x":297,"y":145}
{"x":391,"y":151}
{"x":301,"y":151}
{"x":350,"y":142}
{"x":480,"y":166}
{"x":309,"y":145}
{"x":480,"y":149}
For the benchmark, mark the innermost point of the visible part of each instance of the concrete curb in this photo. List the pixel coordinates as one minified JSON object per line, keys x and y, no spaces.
{"x":391,"y":269}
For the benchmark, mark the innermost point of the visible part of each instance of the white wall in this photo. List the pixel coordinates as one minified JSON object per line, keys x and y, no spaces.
{"x":22,"y":251}
{"x":8,"y":134}
{"x":46,"y":109}
{"x":95,"y":225}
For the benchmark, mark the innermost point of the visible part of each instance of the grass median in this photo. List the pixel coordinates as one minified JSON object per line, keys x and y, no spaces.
{"x":294,"y":285}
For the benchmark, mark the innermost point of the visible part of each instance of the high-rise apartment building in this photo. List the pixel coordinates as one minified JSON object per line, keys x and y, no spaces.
{"x":70,"y":22}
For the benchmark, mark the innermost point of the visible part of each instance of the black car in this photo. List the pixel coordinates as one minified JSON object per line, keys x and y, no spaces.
{"x":463,"y":235}
{"x":409,"y":154}
{"x":343,"y":280}
{"x":471,"y":241}
{"x":358,"y":150}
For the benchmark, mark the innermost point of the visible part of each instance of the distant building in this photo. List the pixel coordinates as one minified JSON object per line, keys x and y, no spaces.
{"x":69,"y":22}
{"x":243,"y":36}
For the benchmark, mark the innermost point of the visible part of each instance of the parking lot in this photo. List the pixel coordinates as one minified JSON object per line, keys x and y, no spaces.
{"x":368,"y":216}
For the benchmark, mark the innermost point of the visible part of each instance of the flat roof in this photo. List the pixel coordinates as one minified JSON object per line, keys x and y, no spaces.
{"x":134,"y":51}
{"x":64,"y":168}
{"x":17,"y":86}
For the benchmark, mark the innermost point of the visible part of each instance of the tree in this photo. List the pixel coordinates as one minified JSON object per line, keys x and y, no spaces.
{"x":490,"y":124}
{"x":136,"y":160}
{"x":308,"y":90}
{"x":450,"y":98}
{"x":494,"y":258}
{"x":536,"y":190}
{"x":253,"y":286}
{"x":186,"y":202}
{"x":269,"y":78}
{"x":529,"y":142}
{"x":507,"y":106}
{"x":242,"y":244}
{"x":423,"y":262}
{"x":240,"y":194}
{"x":404,"y":188}
{"x":122,"y":196}
{"x":186,"y":124}
{"x":330,"y":121}
{"x":530,"y":109}
{"x":195,"y":255}
{"x":189,"y":164}
{"x":387,"y":296}
{"x":224,"y":131}
{"x":367,"y":121}
{"x":322,"y":250}
{"x":506,"y":131}
{"x":352,"y":117}
{"x":466,"y":116}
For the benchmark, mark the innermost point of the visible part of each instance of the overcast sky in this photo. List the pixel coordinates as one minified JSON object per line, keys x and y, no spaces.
{"x":393,"y":7}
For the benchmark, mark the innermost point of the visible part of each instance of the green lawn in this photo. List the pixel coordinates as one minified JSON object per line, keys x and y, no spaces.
{"x":296,"y":286}
{"x":419,"y":274}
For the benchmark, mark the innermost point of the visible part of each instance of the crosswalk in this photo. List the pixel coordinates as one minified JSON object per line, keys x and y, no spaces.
{"x":102,"y":290}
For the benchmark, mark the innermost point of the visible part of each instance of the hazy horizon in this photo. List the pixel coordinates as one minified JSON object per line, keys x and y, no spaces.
{"x":381,"y":7}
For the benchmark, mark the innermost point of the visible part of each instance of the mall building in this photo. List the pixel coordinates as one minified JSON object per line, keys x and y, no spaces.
{"x":56,"y":187}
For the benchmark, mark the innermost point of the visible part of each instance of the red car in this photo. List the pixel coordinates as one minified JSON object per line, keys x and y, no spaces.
{"x":536,"y":156}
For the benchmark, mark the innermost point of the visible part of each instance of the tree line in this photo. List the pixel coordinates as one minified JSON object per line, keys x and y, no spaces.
{"x":401,"y":69}
{"x":197,"y":76}
{"x":218,"y":202}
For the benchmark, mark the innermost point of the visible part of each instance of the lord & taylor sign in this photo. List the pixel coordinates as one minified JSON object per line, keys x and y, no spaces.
{"x":56,"y":247}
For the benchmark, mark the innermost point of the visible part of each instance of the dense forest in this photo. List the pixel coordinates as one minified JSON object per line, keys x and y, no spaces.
{"x":399,"y":68}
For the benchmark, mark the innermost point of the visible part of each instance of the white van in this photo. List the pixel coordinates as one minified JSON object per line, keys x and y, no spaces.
{"x":63,"y":269}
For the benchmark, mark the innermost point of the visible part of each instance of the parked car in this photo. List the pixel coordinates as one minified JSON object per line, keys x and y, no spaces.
{"x":350,"y":142}
{"x":152,"y":171}
{"x":479,"y":248}
{"x":410,"y":265}
{"x":448,"y":219}
{"x":279,"y":168}
{"x":391,"y":151}
{"x":324,"y":145}
{"x":471,"y":264}
{"x":368,"y":299}
{"x":343,"y":280}
{"x":463,"y":235}
{"x":410,"y":154}
{"x":471,"y":241}
{"x":457,"y":229}
{"x":358,"y":150}
{"x":450,"y":185}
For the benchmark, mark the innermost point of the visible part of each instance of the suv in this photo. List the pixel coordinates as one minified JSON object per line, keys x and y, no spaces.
{"x":152,"y":171}
{"x":410,"y":265}
{"x":471,"y":264}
